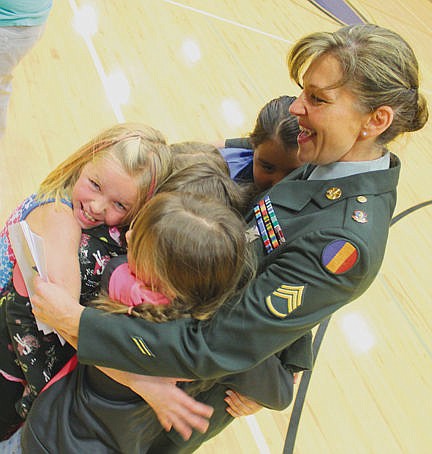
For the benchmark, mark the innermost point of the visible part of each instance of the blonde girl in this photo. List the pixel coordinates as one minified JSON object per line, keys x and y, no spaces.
{"x":102,"y":184}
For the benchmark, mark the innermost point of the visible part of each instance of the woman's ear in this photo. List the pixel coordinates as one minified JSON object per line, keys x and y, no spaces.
{"x":378,"y":121}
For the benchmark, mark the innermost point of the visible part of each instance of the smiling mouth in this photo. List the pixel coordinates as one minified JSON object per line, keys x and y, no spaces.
{"x":88,"y":216}
{"x":305,"y":134}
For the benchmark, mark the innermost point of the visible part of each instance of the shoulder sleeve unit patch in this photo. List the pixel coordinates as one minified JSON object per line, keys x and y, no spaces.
{"x":339,"y":256}
{"x":284,"y":300}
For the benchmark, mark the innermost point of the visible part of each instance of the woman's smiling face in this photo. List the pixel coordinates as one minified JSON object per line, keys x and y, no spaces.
{"x":329,"y":119}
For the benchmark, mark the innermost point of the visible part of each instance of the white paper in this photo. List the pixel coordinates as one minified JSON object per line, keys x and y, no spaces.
{"x":30,"y":255}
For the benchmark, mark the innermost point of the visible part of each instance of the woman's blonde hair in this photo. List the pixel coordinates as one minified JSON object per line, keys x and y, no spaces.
{"x":195,"y":248}
{"x":377,"y":64}
{"x":141,"y":151}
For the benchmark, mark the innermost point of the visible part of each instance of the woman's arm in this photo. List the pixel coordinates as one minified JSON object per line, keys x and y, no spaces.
{"x":173,"y":407}
{"x":237,"y":338}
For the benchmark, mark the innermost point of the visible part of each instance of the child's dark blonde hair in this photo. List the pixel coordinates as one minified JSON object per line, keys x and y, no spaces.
{"x":194,"y":248}
{"x":141,"y":151}
{"x":187,"y":153}
{"x":207,"y":179}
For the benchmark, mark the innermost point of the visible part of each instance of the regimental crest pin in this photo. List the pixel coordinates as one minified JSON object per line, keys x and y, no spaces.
{"x":285,"y":300}
{"x":360,"y":216}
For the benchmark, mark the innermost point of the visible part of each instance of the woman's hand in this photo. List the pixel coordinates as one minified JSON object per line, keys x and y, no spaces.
{"x":239,"y":405}
{"x":173,"y":407}
{"x":53,"y":305}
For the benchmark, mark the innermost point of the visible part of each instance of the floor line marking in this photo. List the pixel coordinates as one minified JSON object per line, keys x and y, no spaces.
{"x":99,"y":68}
{"x":228,"y":21}
{"x":257,"y":434}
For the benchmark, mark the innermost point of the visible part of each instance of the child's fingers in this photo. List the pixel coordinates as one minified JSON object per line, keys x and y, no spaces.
{"x":239,"y":405}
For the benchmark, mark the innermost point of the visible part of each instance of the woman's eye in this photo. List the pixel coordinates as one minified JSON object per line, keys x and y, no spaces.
{"x":316,"y":100}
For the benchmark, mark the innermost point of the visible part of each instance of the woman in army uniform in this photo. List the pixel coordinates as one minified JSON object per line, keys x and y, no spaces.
{"x":320,"y":233}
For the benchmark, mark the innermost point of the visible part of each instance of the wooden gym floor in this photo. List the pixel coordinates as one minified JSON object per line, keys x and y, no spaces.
{"x":201,"y":70}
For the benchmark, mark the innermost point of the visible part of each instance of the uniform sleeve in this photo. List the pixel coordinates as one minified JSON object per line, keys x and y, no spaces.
{"x":296,"y":291}
{"x":243,"y":142}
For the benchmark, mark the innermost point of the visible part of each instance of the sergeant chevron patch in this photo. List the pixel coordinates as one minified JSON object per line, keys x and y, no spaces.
{"x":285,"y":300}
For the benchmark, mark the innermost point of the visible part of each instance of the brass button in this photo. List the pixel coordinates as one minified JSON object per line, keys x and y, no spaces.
{"x":361,"y":199}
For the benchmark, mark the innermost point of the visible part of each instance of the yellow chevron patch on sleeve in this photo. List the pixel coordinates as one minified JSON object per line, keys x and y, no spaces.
{"x":285,"y":300}
{"x":142,"y":346}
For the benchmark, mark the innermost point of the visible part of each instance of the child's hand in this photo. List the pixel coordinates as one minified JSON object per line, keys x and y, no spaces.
{"x":239,"y":405}
{"x":53,"y":305}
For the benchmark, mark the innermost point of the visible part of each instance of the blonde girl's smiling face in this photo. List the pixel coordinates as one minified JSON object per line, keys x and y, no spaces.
{"x":330,"y":121}
{"x":103,"y":194}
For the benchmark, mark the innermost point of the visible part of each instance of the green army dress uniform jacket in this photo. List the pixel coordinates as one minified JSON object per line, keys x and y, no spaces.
{"x":335,"y":237}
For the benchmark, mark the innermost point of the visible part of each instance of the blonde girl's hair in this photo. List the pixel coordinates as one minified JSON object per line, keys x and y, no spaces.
{"x":196,"y":248}
{"x":378,"y":66}
{"x":141,"y":151}
{"x":207,"y":179}
{"x":186,"y":153}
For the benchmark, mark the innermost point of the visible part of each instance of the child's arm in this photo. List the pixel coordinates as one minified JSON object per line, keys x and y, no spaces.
{"x":40,"y":355}
{"x":270,"y":384}
{"x":240,"y":405}
{"x":61,"y":235}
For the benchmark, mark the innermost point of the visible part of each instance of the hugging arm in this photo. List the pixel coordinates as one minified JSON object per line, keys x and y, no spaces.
{"x":241,"y":334}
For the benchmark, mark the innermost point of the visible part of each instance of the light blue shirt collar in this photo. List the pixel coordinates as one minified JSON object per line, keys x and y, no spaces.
{"x":345,"y":169}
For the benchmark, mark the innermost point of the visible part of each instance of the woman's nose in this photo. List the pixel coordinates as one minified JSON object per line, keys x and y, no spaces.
{"x":297,"y":107}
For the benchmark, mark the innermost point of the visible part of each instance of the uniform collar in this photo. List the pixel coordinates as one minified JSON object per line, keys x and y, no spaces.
{"x":344,"y":169}
{"x":294,"y":192}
